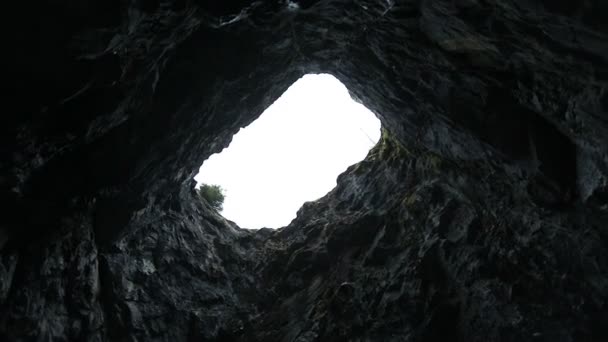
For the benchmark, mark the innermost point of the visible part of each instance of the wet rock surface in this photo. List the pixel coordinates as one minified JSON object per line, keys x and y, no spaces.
{"x":481,"y":215}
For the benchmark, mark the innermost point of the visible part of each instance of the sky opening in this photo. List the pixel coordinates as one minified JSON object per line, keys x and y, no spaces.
{"x":292,"y":153}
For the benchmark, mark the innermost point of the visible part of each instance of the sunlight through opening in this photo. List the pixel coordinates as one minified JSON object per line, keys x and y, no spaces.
{"x":292,"y":153}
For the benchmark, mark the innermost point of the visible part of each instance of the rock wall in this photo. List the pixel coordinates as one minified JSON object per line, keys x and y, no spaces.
{"x":481,"y":215}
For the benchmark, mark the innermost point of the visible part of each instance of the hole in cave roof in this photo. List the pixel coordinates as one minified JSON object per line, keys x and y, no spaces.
{"x":292,"y":153}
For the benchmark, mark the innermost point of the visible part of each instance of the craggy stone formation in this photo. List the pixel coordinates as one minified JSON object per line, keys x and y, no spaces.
{"x":481,"y":215}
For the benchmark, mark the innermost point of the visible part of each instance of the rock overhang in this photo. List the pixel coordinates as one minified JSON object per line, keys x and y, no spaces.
{"x":492,"y":114}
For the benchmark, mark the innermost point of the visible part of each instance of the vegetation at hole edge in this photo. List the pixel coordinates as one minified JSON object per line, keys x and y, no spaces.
{"x":213,"y":194}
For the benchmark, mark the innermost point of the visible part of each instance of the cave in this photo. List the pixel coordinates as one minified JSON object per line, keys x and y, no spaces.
{"x":480,"y":215}
{"x":291,"y":154}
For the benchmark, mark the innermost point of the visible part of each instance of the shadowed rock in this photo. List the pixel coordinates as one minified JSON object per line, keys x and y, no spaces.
{"x":481,"y":215}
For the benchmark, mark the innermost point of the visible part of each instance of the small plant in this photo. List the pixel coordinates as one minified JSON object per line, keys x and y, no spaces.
{"x":213,"y":194}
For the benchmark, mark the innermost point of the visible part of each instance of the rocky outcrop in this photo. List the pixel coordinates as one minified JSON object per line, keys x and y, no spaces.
{"x":481,"y":214}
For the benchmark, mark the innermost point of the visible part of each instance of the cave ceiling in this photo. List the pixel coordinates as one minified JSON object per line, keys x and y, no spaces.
{"x":481,"y":214}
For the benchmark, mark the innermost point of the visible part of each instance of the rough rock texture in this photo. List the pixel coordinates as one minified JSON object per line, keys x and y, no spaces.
{"x":481,"y":215}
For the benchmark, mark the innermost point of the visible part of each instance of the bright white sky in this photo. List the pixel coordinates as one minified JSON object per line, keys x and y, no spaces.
{"x":292,"y":153}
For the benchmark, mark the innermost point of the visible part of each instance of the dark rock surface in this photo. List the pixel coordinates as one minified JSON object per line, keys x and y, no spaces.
{"x":482,"y":214}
